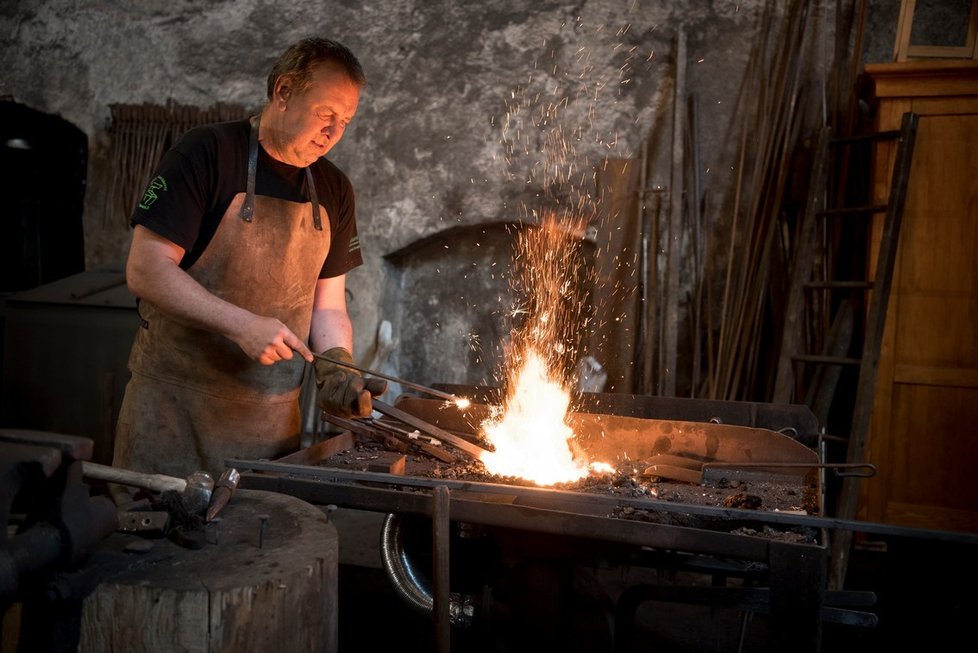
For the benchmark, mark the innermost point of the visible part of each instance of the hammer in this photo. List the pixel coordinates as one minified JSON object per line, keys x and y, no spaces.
{"x":195,"y":490}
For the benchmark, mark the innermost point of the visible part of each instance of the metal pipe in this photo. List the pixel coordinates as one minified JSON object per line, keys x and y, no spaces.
{"x":409,"y":583}
{"x":400,"y":570}
{"x":324,"y":480}
{"x":641,"y":345}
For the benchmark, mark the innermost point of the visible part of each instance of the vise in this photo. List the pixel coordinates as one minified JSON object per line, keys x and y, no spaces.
{"x":52,"y":527}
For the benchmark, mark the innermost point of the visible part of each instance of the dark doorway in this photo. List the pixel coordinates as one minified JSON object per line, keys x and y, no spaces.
{"x":44,"y":160}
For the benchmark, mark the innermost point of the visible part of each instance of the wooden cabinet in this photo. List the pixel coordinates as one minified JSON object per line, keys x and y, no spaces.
{"x":924,"y":430}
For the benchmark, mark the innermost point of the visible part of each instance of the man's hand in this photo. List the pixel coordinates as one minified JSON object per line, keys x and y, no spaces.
{"x":341,"y":390}
{"x":268,"y":340}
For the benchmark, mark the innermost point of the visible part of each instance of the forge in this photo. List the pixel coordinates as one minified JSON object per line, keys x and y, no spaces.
{"x":732,"y":491}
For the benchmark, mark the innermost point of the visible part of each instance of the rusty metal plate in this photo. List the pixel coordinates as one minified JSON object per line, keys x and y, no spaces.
{"x":616,"y":438}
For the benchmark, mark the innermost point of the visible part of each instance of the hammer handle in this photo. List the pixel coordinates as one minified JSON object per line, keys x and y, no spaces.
{"x":152,"y":482}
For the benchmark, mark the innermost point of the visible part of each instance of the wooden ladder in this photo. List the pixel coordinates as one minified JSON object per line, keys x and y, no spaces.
{"x":789,"y":385}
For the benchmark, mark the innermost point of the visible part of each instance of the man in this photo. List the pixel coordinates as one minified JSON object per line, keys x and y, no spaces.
{"x":239,"y":253}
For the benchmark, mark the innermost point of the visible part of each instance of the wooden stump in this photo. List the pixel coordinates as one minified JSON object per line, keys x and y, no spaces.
{"x":246,"y":589}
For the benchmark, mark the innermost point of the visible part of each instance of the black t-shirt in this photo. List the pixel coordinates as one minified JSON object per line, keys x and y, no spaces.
{"x":197,"y":179}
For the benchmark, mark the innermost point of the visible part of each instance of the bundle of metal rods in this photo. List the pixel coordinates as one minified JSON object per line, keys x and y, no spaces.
{"x":785,"y":101}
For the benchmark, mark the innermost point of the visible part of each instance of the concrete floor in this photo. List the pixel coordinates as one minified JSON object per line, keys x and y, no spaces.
{"x":925,"y":596}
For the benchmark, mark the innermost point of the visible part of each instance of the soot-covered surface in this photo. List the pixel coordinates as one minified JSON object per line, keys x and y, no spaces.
{"x":796,"y":495}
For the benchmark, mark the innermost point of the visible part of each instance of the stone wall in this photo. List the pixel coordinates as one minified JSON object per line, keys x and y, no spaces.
{"x":449,"y":136}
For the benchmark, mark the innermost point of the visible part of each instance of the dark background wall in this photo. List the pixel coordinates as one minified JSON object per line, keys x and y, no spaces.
{"x":450,"y":135}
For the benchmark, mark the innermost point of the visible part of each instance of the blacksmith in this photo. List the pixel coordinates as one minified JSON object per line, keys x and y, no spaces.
{"x":240,"y":248}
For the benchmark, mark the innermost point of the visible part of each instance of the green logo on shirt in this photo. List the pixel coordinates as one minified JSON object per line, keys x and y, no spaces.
{"x":150,"y":196}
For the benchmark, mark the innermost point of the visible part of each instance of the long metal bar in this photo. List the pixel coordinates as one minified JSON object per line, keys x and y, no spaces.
{"x":440,"y":513}
{"x":670,"y":329}
{"x":862,"y":470}
{"x":407,"y":384}
{"x":482,"y":510}
{"x":580,"y":502}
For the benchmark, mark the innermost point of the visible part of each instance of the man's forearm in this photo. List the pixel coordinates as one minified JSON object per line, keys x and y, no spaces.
{"x":262,"y":338}
{"x":331,"y":328}
{"x":153,"y":273}
{"x":180,"y":296}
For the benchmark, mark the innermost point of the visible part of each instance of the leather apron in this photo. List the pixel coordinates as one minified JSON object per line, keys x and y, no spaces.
{"x":195,"y":398}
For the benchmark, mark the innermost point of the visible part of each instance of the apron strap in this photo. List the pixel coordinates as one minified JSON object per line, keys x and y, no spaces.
{"x":314,"y":198}
{"x":248,"y":208}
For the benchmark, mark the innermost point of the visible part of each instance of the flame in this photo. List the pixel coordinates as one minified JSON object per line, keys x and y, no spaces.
{"x":601,"y":468}
{"x":531,"y":436}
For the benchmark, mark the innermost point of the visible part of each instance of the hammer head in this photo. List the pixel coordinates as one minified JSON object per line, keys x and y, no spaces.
{"x":197,"y":494}
{"x":187,"y":508}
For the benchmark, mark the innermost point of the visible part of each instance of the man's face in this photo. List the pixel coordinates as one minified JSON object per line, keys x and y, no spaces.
{"x":307,"y":123}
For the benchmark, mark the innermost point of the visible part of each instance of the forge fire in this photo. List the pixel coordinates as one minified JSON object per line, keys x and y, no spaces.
{"x":529,"y":431}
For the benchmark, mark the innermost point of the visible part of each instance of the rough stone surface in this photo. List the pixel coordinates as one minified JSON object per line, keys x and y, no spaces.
{"x":451,"y":132}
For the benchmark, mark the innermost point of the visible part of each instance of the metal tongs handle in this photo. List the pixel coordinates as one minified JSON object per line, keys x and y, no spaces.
{"x":865,"y":470}
{"x":406,"y":384}
{"x":472,"y":449}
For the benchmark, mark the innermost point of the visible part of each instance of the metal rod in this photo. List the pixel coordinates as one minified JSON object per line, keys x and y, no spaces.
{"x":407,"y":384}
{"x":460,"y":443}
{"x":576,"y":503}
{"x":862,"y":470}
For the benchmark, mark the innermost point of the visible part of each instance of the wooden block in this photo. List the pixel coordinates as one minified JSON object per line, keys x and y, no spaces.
{"x":246,"y":589}
{"x":388,"y":463}
{"x":316,"y":453}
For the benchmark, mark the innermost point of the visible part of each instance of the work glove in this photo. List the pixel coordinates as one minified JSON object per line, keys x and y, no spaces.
{"x":341,"y":391}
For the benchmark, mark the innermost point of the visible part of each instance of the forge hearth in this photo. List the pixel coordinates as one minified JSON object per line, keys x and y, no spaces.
{"x":766,"y":500}
{"x":786,"y":494}
{"x":761,"y":532}
{"x":708,"y":463}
